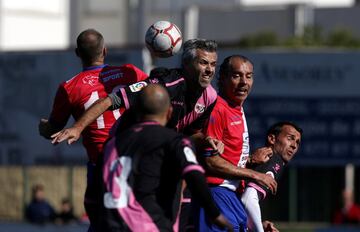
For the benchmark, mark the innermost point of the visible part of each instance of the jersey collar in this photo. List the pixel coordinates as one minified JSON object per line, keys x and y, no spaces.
{"x":94,"y":67}
{"x":149,"y":123}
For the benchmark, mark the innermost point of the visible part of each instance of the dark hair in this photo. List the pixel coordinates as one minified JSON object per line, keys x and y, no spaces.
{"x":35,"y":189}
{"x":225,"y":68}
{"x":276,"y":128}
{"x":90,"y":44}
{"x":190,"y":47}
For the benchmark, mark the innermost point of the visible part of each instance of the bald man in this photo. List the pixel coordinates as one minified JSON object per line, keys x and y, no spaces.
{"x":96,"y":80}
{"x":143,"y":168}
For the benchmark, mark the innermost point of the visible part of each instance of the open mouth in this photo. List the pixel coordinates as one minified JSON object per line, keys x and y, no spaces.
{"x":206,"y":78}
{"x":241,"y":91}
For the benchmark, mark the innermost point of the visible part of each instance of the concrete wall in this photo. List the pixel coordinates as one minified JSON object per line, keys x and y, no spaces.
{"x":34,"y":24}
{"x":110,"y":17}
{"x":230,"y":25}
{"x":338,"y":18}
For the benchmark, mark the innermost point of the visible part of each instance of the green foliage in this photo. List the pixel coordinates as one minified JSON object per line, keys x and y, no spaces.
{"x":261,"y":39}
{"x":312,"y":37}
{"x":342,"y":38}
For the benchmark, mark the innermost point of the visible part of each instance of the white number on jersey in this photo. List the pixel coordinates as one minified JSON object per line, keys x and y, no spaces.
{"x":100,"y":120}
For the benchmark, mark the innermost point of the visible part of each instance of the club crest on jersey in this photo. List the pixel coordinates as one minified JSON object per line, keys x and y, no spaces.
{"x":90,"y":80}
{"x":199,"y":108}
{"x":154,"y":80}
{"x":137,"y":86}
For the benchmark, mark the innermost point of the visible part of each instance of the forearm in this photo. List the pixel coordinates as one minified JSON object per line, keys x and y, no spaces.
{"x":223,"y":168}
{"x":91,"y":114}
{"x":199,"y":140}
{"x":250,"y":201}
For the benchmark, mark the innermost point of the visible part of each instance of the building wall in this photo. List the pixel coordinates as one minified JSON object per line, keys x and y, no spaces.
{"x":231,"y":24}
{"x":34,"y":24}
{"x":110,"y":17}
{"x":338,"y":18}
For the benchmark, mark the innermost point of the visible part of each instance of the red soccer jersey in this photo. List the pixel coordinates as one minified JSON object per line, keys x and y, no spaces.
{"x":74,"y":96}
{"x":228,"y":124}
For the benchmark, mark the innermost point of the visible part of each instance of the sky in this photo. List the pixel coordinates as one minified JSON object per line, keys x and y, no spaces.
{"x":318,"y":3}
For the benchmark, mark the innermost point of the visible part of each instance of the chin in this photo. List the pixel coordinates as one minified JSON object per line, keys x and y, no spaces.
{"x":204,"y":84}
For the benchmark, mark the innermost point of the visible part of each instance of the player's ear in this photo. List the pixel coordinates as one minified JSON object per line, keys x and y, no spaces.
{"x":271,"y":139}
{"x":77,"y":52}
{"x":104,"y":51}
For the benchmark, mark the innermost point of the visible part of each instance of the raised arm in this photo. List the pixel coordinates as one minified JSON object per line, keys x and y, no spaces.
{"x":73,"y":133}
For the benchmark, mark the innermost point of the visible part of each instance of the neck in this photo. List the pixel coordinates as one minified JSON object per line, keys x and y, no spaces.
{"x":193,"y":87}
{"x":94,"y":63}
{"x":161,"y":120}
{"x":232,"y":103}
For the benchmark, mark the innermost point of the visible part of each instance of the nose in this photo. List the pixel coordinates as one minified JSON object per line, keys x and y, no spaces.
{"x":209,"y":68}
{"x":293,"y":145}
{"x":243,"y":80}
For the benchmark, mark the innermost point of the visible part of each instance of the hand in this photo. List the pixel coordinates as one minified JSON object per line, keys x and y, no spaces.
{"x":216,"y":144}
{"x":269,"y":227}
{"x":71,"y":134}
{"x":44,"y":128}
{"x":261,"y":155}
{"x":223,"y":223}
{"x":268,"y":181}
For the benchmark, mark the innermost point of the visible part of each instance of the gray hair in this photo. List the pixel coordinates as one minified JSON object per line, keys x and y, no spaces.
{"x":190,"y":47}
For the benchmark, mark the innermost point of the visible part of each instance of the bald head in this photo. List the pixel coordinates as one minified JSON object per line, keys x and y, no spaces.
{"x":153,"y":101}
{"x":90,"y":45}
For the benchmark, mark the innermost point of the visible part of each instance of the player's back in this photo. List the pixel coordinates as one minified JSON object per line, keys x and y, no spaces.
{"x":147,"y":155}
{"x":151,"y":147}
{"x":80,"y":92}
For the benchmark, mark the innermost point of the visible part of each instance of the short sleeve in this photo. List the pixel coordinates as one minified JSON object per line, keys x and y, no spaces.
{"x":61,"y":110}
{"x":216,"y":125}
{"x":128,"y":94}
{"x":183,"y":152}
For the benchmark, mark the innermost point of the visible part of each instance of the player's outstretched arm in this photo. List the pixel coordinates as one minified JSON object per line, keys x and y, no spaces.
{"x":73,"y":133}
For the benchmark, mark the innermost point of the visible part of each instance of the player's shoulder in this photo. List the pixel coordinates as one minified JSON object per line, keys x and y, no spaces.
{"x":210,"y":94}
{"x":168,"y":76}
{"x":129,"y":66}
{"x":73,"y":78}
{"x":154,"y":134}
{"x":81,"y":77}
{"x":128,"y":69}
{"x":221,"y":104}
{"x":164,"y":132}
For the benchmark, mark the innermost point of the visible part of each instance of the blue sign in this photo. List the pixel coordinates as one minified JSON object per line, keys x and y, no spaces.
{"x":331,"y":126}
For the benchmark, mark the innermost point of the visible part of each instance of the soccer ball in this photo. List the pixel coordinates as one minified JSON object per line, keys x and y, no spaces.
{"x":163,"y":39}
